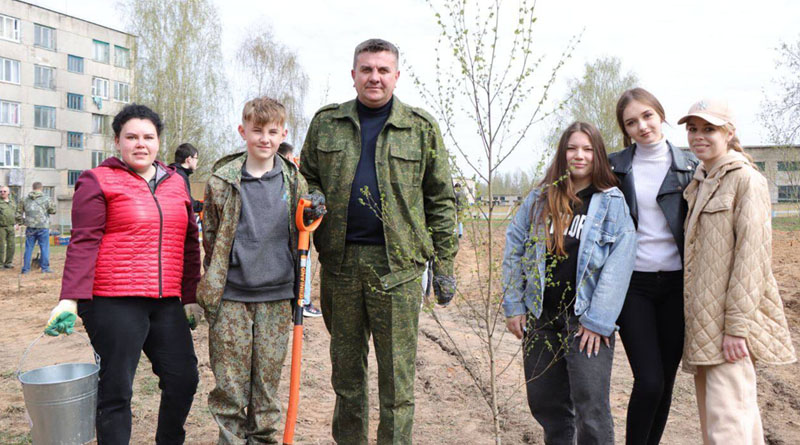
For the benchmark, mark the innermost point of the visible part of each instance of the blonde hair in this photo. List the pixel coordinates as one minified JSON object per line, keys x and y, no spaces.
{"x":734,"y":143}
{"x":264,"y":110}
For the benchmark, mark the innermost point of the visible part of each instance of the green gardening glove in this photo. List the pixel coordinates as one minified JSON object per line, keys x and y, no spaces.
{"x":62,"y":318}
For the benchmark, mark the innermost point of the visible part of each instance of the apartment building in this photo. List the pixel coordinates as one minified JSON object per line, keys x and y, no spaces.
{"x":781,"y":166}
{"x":62,"y":79}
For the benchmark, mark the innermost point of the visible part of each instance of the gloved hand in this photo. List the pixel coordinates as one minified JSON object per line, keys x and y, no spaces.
{"x":194,"y":313}
{"x":317,"y":209}
{"x":444,"y":287}
{"x":62,"y":318}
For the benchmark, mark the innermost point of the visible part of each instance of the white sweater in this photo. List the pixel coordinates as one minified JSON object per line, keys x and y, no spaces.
{"x":656,"y":250}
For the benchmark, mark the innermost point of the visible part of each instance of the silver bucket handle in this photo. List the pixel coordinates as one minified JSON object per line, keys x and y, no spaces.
{"x":30,"y":346}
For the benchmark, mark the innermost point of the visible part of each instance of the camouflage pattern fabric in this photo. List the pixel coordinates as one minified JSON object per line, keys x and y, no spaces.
{"x":7,"y":245}
{"x":7,"y":216}
{"x":247,"y":345}
{"x":222,"y":207}
{"x":354,"y":306}
{"x":35,"y":211}
{"x":416,"y":188}
{"x":7,"y":212}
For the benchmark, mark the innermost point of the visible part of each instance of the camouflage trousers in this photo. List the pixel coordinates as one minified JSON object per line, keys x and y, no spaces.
{"x":355,"y":306}
{"x":247,"y":345}
{"x":6,"y":245}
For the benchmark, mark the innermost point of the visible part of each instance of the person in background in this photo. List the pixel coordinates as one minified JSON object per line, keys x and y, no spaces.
{"x":734,"y":313}
{"x":461,"y":204}
{"x":287,"y":151}
{"x":34,"y":213}
{"x":186,"y":157}
{"x":568,"y":258}
{"x":652,"y":174}
{"x":8,"y":209}
{"x":131,"y":274}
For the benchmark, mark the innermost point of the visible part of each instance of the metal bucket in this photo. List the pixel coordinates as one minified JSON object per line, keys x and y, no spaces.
{"x":61,"y":401}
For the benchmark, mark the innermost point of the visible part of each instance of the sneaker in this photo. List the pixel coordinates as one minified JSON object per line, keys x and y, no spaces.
{"x":311,"y":312}
{"x":8,"y":266}
{"x":47,"y":271}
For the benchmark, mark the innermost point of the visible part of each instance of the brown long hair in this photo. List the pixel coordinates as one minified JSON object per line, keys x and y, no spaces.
{"x":558,"y":191}
{"x":638,"y":95}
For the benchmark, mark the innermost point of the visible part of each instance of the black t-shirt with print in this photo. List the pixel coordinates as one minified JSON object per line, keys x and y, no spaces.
{"x":560,"y":272}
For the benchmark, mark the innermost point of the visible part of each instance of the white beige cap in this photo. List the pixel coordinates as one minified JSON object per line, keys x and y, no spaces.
{"x":714,"y":111}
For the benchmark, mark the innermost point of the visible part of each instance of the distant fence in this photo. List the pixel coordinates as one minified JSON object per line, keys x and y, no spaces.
{"x":782,"y":213}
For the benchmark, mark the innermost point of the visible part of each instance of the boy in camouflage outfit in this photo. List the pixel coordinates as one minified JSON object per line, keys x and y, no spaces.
{"x":34,"y":212}
{"x":250,"y":243}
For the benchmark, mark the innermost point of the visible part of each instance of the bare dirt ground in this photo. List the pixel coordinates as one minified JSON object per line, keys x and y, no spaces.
{"x":449,"y":408}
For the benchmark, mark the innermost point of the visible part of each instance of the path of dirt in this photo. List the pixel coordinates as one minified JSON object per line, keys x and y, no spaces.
{"x":449,"y":408}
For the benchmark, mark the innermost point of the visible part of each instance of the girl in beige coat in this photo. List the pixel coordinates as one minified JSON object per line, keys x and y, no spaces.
{"x":734,"y":314}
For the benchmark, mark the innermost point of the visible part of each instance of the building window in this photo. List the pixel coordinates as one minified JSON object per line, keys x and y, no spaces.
{"x":98,"y":157}
{"x":789,"y":193}
{"x":50,"y":192}
{"x":122,"y":57}
{"x":9,"y":155}
{"x":75,"y":64}
{"x":74,"y":139}
{"x":9,"y":28}
{"x":122,"y":92}
{"x":100,"y":124}
{"x":9,"y":70}
{"x":72,"y":177}
{"x":9,"y":113}
{"x":44,"y":77}
{"x":792,"y":166}
{"x":44,"y":157}
{"x":75,"y":101}
{"x":762,"y":166}
{"x":100,"y":87}
{"x":101,"y":51}
{"x":44,"y":36}
{"x":44,"y":117}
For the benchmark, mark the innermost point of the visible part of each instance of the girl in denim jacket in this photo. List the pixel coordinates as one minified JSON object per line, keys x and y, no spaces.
{"x":569,"y":255}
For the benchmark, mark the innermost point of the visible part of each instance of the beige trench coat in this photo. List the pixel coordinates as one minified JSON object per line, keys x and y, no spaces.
{"x":729,"y":287}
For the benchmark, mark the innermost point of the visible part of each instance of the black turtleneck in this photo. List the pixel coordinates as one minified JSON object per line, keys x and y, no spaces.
{"x":363,"y":224}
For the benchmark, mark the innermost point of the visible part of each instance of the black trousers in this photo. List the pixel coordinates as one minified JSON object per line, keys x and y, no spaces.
{"x":568,"y":392}
{"x":120,"y":328}
{"x":652,"y":329}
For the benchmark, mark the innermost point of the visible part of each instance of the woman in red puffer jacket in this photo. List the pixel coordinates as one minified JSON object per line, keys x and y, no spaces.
{"x":131,"y":272}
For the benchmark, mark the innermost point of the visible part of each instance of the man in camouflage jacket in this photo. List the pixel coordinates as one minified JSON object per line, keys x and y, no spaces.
{"x":8,"y":209}
{"x":34,"y":213}
{"x":382,"y":170}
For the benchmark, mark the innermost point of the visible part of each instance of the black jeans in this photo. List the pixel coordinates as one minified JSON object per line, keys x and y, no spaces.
{"x":651,"y":329}
{"x":120,"y":328}
{"x":568,"y":392}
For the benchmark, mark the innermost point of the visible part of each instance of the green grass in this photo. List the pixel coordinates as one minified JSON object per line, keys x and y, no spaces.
{"x":7,"y":438}
{"x":786,"y":223}
{"x":149,"y":385}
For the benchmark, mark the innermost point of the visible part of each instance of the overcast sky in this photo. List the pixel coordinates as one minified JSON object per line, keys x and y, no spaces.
{"x":681,"y":50}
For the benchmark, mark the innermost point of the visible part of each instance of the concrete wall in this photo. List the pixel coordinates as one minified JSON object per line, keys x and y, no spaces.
{"x":73,"y":36}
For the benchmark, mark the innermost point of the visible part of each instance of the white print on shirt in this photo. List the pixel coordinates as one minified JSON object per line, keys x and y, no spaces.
{"x":574,"y":228}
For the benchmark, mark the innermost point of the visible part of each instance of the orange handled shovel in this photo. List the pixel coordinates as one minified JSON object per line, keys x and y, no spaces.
{"x":303,"y":299}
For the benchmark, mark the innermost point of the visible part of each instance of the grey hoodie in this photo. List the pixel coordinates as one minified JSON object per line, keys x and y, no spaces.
{"x":261,"y":243}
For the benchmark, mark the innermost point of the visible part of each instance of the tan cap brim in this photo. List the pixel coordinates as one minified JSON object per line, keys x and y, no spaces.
{"x":713,"y":120}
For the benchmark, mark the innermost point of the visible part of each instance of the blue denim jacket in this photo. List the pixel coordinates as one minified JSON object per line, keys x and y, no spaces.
{"x":606,"y":257}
